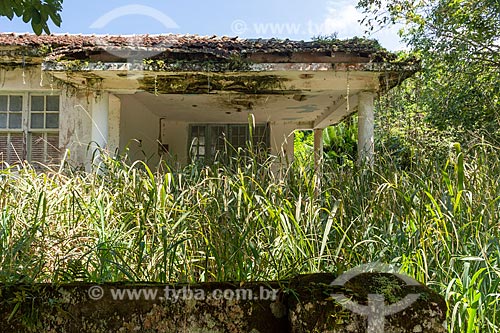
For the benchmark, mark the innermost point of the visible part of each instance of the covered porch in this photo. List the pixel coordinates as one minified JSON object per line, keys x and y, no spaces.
{"x":156,"y":106}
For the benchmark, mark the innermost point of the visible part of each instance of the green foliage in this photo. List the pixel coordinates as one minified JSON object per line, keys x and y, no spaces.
{"x":303,"y":147}
{"x":459,"y":46}
{"x":341,"y":142}
{"x":254,"y":221}
{"x":38,"y":12}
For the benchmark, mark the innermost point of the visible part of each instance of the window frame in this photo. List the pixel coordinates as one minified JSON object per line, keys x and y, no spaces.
{"x":27,"y":131}
{"x":209,"y":156}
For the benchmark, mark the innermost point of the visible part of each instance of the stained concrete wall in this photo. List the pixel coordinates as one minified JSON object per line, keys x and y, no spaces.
{"x":175,"y":135}
{"x":304,"y":304}
{"x":75,"y":123}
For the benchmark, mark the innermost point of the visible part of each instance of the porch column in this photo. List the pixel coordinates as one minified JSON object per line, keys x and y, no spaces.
{"x":318,"y":158}
{"x":114,"y":117}
{"x":100,"y":116}
{"x":366,"y":149}
{"x":318,"y":148}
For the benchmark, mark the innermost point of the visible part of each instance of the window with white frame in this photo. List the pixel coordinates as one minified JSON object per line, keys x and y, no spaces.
{"x":29,"y":128}
{"x":207,"y":141}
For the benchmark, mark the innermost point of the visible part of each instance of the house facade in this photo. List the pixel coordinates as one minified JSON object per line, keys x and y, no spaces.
{"x":181,"y":98}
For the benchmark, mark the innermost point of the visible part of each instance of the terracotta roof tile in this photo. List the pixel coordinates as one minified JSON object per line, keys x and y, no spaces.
{"x":188,"y":43}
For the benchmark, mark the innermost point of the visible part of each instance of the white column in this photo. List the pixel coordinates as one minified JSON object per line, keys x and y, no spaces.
{"x":318,"y":158}
{"x":100,"y":125}
{"x":366,"y":149}
{"x":318,"y":148}
{"x":114,"y":119}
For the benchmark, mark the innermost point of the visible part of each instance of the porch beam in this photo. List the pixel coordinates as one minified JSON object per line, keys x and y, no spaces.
{"x":366,"y":149}
{"x":339,"y":109}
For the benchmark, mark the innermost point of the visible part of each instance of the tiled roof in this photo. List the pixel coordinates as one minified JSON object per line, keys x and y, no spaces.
{"x":60,"y":44}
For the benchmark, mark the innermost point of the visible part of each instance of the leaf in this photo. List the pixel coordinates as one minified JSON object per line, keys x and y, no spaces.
{"x":18,"y":7}
{"x":36,"y":17}
{"x":7,"y":10}
{"x":37,"y":28}
{"x":46,"y":29}
{"x":56,"y":18}
{"x":27,"y":15}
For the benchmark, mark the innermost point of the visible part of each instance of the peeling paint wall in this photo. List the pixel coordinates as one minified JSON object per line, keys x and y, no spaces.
{"x":75,"y":123}
{"x":114,"y":121}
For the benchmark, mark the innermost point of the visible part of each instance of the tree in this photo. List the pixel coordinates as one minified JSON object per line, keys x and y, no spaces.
{"x":38,"y":12}
{"x":458,"y":42}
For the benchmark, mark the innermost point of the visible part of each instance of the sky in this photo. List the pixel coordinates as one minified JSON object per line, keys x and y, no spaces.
{"x":296,"y":20}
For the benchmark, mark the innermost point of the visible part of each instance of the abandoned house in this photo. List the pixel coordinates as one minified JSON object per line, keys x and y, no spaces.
{"x":181,"y":97}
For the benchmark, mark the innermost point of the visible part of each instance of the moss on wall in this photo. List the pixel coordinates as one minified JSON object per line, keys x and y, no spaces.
{"x":303,"y":304}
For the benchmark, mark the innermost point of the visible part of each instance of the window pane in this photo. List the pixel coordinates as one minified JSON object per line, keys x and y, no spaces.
{"x":52,"y":103}
{"x":52,"y":120}
{"x":15,"y":120}
{"x":3,"y":103}
{"x":3,"y":120}
{"x":36,"y":120}
{"x":16,"y":103}
{"x":37,"y":103}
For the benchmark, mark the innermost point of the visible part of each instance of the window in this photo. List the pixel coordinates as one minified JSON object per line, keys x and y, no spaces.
{"x":208,"y":141}
{"x":29,"y":128}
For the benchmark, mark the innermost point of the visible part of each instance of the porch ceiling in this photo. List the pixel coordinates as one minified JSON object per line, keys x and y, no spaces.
{"x":278,"y":95}
{"x":235,"y":108}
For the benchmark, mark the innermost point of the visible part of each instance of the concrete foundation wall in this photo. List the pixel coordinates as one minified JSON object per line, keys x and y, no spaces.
{"x":304,"y":304}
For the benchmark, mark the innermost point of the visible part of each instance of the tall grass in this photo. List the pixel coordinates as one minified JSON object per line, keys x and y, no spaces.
{"x":440,"y":221}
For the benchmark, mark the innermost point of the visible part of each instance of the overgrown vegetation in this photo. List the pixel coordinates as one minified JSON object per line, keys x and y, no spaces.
{"x":458,"y":43}
{"x":438,"y":220}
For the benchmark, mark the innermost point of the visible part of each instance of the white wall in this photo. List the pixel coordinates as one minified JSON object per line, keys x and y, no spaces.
{"x":75,"y":126}
{"x":139,"y":131}
{"x":175,"y":135}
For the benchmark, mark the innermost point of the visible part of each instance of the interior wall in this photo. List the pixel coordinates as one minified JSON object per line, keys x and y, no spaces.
{"x":175,"y":135}
{"x":139,"y":132}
